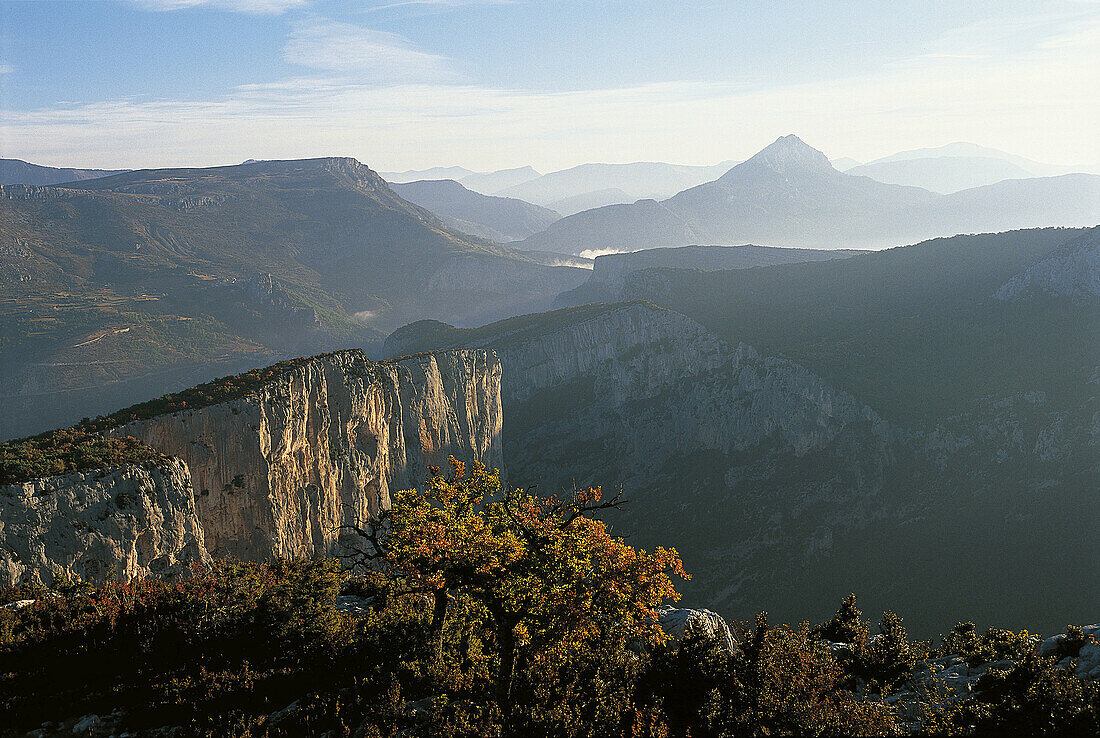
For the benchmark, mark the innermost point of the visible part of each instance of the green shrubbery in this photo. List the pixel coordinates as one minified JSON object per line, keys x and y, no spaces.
{"x":203,"y":395}
{"x":464,"y":577}
{"x":222,"y":651}
{"x":65,"y":451}
{"x":83,"y":447}
{"x":778,"y":681}
{"x":881,"y":661}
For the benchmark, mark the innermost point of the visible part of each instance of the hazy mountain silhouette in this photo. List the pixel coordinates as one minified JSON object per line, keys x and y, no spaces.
{"x":966,"y":150}
{"x":590,"y":200}
{"x":413,"y":175}
{"x":17,"y":171}
{"x":490,"y":183}
{"x":487,"y":183}
{"x":943,"y":174}
{"x":954,"y":167}
{"x":639,"y":180}
{"x":496,"y":218}
{"x":790,"y":195}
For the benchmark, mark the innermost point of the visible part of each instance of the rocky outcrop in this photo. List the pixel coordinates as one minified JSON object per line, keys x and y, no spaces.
{"x":944,"y":683}
{"x":1071,"y":270}
{"x":749,"y":465}
{"x":730,"y":397}
{"x":278,"y":472}
{"x":275,"y":472}
{"x":111,"y":524}
{"x":680,"y":622}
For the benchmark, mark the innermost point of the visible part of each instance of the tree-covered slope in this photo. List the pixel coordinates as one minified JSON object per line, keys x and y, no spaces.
{"x":156,"y":276}
{"x":496,"y":218}
{"x":916,"y":331}
{"x":895,"y":428}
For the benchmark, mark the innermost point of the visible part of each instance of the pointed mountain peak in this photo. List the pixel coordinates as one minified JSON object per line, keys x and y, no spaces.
{"x":789,"y":154}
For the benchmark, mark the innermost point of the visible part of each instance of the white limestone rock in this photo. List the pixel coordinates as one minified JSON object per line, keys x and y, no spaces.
{"x":1071,"y":270}
{"x":278,"y":472}
{"x":681,"y":622}
{"x":105,"y":525}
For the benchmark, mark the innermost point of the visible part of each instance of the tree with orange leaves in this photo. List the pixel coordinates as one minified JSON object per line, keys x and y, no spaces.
{"x":550,"y":575}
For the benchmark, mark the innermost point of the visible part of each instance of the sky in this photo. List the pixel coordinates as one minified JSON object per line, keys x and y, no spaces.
{"x":489,"y":84}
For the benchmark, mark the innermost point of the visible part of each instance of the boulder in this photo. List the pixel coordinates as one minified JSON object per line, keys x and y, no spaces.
{"x":680,"y":622}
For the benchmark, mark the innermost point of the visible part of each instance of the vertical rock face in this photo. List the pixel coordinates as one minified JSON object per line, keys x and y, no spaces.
{"x":276,"y":473}
{"x":1072,"y":270}
{"x":120,"y":523}
{"x":750,"y":465}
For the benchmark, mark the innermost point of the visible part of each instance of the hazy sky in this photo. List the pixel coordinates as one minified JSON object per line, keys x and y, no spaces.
{"x":488,"y":84}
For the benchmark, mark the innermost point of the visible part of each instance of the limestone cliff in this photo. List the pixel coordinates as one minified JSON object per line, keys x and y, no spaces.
{"x":750,"y":465}
{"x":781,"y":490}
{"x":272,"y":470}
{"x":1071,"y":270}
{"x":277,"y":472}
{"x":119,"y":523}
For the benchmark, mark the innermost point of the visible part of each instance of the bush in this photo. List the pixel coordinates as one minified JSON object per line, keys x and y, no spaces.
{"x":66,"y":451}
{"x":847,"y":626}
{"x":779,"y":681}
{"x":887,"y":659}
{"x":229,"y":634}
{"x":996,"y":644}
{"x":1035,"y":697}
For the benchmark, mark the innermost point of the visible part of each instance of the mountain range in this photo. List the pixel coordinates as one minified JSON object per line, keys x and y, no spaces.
{"x":570,"y":190}
{"x":790,"y":195}
{"x":612,"y":272}
{"x":499,"y":219}
{"x":950,"y":168}
{"x":17,"y":171}
{"x":912,"y":424}
{"x":134,"y":284}
{"x":487,"y":183}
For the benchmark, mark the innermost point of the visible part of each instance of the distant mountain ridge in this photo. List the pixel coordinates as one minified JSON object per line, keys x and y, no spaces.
{"x":17,"y":171}
{"x":499,"y":219}
{"x":954,"y":167}
{"x":790,"y":195}
{"x":120,"y":287}
{"x":491,"y":183}
{"x":611,"y":272}
{"x":487,"y":183}
{"x":967,"y":150}
{"x":944,"y":175}
{"x":412,"y":175}
{"x":876,"y":423}
{"x":638,"y":180}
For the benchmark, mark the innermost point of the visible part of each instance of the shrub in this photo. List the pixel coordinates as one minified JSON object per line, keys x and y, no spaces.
{"x":779,"y":681}
{"x":66,"y":451}
{"x":1035,"y":697}
{"x":887,"y":659}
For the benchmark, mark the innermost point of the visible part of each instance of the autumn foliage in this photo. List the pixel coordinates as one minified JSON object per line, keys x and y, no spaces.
{"x":480,"y":611}
{"x":549,"y":578}
{"x":65,"y":451}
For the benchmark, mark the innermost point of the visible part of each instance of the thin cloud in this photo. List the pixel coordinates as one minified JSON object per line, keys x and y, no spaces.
{"x":6,"y":69}
{"x":380,"y":57}
{"x":251,"y":7}
{"x":1040,"y":104}
{"x":440,"y":3}
{"x":1045,"y":27}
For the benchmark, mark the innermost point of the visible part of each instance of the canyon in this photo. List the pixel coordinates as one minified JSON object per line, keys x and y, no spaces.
{"x":275,"y":473}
